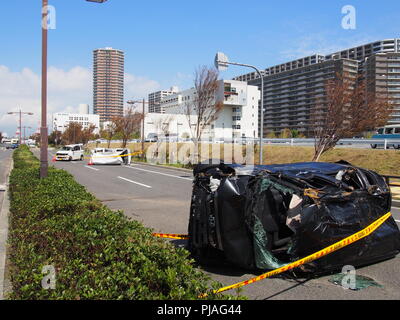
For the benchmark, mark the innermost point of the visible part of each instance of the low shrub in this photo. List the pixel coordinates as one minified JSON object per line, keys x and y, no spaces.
{"x":97,"y":253}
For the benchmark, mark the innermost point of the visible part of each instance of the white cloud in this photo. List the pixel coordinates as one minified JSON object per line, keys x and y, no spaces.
{"x":139,"y":87}
{"x":66,"y":90}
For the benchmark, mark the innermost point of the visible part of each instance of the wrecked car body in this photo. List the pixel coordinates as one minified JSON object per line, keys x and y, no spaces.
{"x":264,"y":217}
{"x":105,"y":156}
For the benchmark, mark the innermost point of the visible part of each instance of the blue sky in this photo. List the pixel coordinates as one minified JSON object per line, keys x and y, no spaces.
{"x":164,"y":41}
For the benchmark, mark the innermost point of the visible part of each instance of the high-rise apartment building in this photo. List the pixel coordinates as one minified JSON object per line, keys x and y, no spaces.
{"x":291,"y":89}
{"x":108,"y":83}
{"x":382,"y":74}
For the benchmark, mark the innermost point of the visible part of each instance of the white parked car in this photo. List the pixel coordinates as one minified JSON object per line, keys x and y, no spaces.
{"x":110,"y":156}
{"x":70,"y":152}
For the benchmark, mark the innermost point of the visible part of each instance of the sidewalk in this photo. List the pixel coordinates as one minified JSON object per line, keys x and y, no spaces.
{"x":4,"y":213}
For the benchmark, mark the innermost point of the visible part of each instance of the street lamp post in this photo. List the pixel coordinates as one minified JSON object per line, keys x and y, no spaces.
{"x":221,"y":63}
{"x":20,"y":113}
{"x":43,"y":126}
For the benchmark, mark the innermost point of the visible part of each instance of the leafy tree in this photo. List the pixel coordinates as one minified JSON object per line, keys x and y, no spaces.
{"x":55,"y":137}
{"x":87,"y":134}
{"x":76,"y":134}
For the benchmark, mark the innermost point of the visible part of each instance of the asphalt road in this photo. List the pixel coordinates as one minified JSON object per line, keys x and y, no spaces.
{"x":160,"y":198}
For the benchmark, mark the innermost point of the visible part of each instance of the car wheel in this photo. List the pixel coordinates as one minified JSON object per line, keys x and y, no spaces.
{"x":373,"y":146}
{"x":70,"y":158}
{"x":81,"y":157}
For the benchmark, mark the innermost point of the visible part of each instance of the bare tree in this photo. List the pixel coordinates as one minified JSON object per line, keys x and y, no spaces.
{"x":128,"y":124}
{"x":204,"y":108}
{"x":347,"y":109}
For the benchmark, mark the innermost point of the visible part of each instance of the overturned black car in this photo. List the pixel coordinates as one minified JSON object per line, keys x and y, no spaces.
{"x":263,"y":217}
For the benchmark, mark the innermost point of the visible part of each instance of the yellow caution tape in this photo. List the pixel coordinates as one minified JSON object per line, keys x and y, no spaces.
{"x":328,"y":250}
{"x":171,"y":236}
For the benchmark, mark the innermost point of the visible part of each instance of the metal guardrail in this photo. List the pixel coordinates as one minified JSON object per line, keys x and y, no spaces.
{"x":386,"y":143}
{"x":379,"y":142}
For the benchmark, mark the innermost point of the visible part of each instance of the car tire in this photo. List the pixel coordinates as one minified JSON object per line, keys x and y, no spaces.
{"x":373,"y":146}
{"x":81,"y":158}
{"x":70,"y":158}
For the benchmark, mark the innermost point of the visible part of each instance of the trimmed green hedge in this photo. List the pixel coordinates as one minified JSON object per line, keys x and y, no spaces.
{"x":97,"y":253}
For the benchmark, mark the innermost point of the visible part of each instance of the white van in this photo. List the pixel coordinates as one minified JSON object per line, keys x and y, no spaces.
{"x":70,"y":152}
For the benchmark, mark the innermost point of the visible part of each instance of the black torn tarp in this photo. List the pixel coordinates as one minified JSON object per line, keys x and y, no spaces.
{"x":263,"y":217}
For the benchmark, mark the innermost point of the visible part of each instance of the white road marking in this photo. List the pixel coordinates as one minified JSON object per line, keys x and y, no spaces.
{"x":92,"y":168}
{"x":140,"y":184}
{"x":396,"y":208}
{"x":161,"y":173}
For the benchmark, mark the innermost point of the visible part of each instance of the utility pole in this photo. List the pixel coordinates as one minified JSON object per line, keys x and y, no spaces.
{"x":43,"y":125}
{"x":44,"y":163}
{"x":143,"y":129}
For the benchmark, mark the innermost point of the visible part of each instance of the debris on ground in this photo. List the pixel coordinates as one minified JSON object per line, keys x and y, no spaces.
{"x":360,"y":282}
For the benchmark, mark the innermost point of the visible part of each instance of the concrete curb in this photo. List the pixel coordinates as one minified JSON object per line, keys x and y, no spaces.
{"x":5,"y":285}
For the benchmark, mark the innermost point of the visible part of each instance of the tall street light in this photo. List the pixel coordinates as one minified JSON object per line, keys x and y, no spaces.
{"x":43,"y":126}
{"x":221,"y":63}
{"x":20,"y":113}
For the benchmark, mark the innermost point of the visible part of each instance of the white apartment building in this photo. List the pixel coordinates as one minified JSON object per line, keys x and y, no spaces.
{"x":168,"y":125}
{"x":156,"y":97}
{"x":62,"y":120}
{"x":238,"y":118}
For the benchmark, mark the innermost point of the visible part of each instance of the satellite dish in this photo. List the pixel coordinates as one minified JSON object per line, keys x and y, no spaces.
{"x":220,"y":61}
